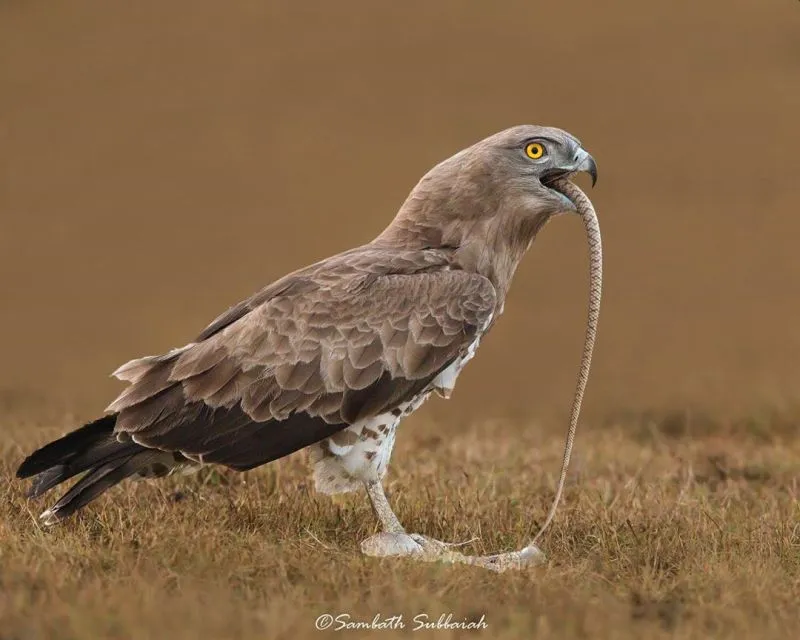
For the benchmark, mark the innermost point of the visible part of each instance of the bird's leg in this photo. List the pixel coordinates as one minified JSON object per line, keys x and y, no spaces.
{"x":382,"y":508}
{"x":395,"y":541}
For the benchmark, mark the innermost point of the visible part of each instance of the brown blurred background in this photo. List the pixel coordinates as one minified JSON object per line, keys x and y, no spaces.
{"x":160,"y":161}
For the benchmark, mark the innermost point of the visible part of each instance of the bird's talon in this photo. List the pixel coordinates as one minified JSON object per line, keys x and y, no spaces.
{"x":405,"y":544}
{"x":429,"y":545}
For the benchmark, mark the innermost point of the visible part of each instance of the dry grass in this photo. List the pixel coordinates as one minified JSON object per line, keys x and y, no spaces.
{"x":671,"y":527}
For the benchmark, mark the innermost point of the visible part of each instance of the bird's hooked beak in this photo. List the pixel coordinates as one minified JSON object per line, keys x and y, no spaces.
{"x":584,"y":162}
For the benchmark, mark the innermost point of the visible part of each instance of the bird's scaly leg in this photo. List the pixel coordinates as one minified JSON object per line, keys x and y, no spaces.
{"x":395,"y":541}
{"x":382,"y":508}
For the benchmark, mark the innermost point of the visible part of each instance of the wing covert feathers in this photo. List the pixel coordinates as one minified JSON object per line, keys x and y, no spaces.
{"x":352,"y":337}
{"x":283,"y":370}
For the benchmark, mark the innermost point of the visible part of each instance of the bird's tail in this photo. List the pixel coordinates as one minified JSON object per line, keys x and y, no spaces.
{"x":94,"y":449}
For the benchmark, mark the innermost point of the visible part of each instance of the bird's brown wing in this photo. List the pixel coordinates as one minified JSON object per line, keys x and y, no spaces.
{"x":305,"y":363}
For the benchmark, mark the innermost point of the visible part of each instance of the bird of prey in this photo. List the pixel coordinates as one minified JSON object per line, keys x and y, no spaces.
{"x":334,"y":355}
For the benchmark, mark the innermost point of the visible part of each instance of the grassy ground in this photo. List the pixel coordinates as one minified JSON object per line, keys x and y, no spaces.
{"x":672,"y":526}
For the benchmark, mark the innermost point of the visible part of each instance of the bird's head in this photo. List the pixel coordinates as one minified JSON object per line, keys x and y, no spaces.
{"x":489,"y":200}
{"x":524,"y":162}
{"x":511,"y":173}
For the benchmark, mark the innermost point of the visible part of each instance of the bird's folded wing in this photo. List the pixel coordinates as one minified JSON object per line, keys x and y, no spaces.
{"x":303,"y":364}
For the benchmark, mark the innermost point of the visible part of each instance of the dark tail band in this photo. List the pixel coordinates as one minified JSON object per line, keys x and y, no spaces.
{"x":93,"y":448}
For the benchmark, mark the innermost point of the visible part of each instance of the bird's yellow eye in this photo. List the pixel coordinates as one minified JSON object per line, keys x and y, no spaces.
{"x":534,"y":150}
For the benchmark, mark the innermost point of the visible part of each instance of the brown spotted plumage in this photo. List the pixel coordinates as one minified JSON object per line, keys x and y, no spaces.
{"x":360,"y":333}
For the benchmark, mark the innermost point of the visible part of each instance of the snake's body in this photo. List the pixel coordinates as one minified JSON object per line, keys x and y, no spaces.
{"x":592,"y":226}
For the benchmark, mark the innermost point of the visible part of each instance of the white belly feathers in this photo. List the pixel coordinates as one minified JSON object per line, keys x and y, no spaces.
{"x":360,"y":453}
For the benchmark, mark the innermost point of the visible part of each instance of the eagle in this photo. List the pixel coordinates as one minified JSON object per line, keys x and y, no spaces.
{"x":333,"y":356}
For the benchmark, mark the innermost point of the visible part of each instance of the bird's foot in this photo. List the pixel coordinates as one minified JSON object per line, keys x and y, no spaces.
{"x":403,"y":544}
{"x":423,"y":548}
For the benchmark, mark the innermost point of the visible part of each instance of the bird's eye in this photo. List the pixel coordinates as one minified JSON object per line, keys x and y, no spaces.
{"x":534,"y":150}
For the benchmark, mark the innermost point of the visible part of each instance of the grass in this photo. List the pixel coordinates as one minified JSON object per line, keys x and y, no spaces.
{"x":673,"y":526}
